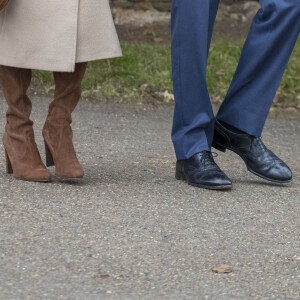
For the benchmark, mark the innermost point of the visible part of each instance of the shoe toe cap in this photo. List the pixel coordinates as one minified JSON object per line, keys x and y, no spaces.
{"x":220,"y":179}
{"x":281,"y":172}
{"x":215,"y":179}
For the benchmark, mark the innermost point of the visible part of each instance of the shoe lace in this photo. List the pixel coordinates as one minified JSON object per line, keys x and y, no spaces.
{"x":258,"y":141}
{"x":207,"y":158}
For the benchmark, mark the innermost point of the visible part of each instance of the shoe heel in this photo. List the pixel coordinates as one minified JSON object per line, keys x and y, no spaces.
{"x":219,"y":147}
{"x":179,"y":175}
{"x":9,"y":169}
{"x":49,"y":157}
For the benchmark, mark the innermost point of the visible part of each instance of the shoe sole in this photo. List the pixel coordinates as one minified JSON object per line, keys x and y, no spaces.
{"x":39,"y":181}
{"x":266,"y":178}
{"x":223,"y":149}
{"x":207,"y":187}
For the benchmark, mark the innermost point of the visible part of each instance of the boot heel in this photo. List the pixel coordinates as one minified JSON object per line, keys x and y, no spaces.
{"x":219,"y":147}
{"x":9,"y":169}
{"x":49,"y":157}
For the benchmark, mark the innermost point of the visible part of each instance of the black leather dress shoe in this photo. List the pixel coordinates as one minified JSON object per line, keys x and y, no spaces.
{"x":258,"y":158}
{"x":201,"y":171}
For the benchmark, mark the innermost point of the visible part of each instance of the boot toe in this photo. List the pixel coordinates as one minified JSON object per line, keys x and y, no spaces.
{"x":42,"y":175}
{"x":75,"y":172}
{"x":35,"y":174}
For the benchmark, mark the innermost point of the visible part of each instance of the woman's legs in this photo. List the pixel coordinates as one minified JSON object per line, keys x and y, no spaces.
{"x":57,"y":131}
{"x":23,"y":158}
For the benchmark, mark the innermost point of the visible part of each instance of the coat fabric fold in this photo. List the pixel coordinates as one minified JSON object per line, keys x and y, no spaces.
{"x":54,"y":35}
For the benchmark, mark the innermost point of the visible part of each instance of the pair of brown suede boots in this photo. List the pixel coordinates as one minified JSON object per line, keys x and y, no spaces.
{"x":22,"y":156}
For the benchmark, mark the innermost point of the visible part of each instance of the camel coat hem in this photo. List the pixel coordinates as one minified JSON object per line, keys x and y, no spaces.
{"x":56,"y":65}
{"x":54,"y":35}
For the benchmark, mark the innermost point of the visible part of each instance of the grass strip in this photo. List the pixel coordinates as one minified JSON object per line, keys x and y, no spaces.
{"x":144,"y":72}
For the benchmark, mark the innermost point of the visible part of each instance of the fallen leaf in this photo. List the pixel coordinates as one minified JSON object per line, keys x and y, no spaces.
{"x":168,"y":96}
{"x":222,"y":269}
{"x":291,"y":109}
{"x":220,"y":72}
{"x":148,"y":31}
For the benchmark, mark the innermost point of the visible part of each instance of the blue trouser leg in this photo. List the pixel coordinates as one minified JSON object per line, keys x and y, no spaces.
{"x":270,"y":42}
{"x":192,"y":25}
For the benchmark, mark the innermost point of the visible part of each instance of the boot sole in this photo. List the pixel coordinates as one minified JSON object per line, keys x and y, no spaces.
{"x":223,"y":149}
{"x":74,"y":179}
{"x":29,"y":180}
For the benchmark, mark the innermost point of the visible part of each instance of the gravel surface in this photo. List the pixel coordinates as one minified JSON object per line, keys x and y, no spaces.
{"x":131,"y":231}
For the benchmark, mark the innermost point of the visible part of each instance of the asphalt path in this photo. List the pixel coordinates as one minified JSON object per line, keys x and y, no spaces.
{"x":129,"y":230}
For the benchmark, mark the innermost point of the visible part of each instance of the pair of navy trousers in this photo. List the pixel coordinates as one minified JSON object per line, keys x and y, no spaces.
{"x":269,"y":45}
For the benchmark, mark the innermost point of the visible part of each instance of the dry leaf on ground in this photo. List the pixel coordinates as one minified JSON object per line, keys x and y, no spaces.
{"x":222,"y":269}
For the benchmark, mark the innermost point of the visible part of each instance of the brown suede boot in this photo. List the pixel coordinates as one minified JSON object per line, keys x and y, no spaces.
{"x":22,"y":156}
{"x":57,"y":131}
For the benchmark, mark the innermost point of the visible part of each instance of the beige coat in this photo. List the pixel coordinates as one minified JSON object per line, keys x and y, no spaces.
{"x":54,"y":35}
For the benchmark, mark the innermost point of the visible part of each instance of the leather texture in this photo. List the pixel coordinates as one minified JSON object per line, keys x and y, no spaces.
{"x":57,"y":131}
{"x":201,"y":171}
{"x":22,"y":156}
{"x":3,"y":3}
{"x":258,"y":158}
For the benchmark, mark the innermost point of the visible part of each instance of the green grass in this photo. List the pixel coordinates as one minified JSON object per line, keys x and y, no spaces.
{"x":144,"y":72}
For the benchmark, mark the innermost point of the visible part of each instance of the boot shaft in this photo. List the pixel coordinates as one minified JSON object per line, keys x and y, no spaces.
{"x":15,"y":83}
{"x":67,"y":93}
{"x":22,"y":155}
{"x":57,"y":131}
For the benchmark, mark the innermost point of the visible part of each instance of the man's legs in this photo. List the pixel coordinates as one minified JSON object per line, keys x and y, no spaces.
{"x":271,"y":40}
{"x":192,"y":26}
{"x":242,"y":116}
